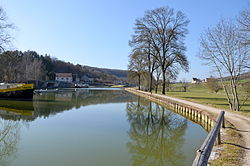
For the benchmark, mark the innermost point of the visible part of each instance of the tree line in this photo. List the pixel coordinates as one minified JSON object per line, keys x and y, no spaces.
{"x":18,"y":66}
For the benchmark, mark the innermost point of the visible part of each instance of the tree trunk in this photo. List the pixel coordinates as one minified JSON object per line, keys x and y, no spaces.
{"x":236,"y":101}
{"x":151,"y":82}
{"x":163,"y":82}
{"x":157,"y":82}
{"x":228,"y":98}
{"x":156,"y":88}
{"x":139,"y":82}
{"x":225,"y":89}
{"x":235,"y":96}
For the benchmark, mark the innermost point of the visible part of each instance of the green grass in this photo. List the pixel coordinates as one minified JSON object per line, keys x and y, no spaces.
{"x":231,"y":152}
{"x":117,"y":86}
{"x":201,"y":94}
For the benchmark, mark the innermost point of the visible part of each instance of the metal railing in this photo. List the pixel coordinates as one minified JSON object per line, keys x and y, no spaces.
{"x":203,"y":153}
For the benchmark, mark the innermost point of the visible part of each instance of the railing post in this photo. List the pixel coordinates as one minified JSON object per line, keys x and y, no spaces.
{"x":223,"y":121}
{"x":219,"y":138}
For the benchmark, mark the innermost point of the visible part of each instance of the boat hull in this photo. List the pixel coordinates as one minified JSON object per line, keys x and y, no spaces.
{"x":21,"y":94}
{"x":17,"y":91}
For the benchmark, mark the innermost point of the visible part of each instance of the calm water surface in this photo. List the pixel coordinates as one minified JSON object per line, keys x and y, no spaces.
{"x":95,"y":127}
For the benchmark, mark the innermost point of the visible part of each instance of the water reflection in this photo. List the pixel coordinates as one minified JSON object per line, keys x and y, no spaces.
{"x":94,"y":135}
{"x":49,"y":104}
{"x":156,"y":134}
{"x":14,"y":114}
{"x":9,"y":138}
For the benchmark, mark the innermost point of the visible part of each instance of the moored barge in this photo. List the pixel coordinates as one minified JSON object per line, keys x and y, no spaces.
{"x":16,"y":91}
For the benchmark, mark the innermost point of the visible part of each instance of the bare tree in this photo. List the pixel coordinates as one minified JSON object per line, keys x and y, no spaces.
{"x":141,"y":41}
{"x":5,"y":30}
{"x":222,"y":48}
{"x":157,"y":75}
{"x":171,"y":75}
{"x":136,"y":66}
{"x":184,"y":85}
{"x":244,"y":23}
{"x":166,"y":31}
{"x":9,"y":66}
{"x":32,"y":67}
{"x":213,"y":85}
{"x":16,"y":66}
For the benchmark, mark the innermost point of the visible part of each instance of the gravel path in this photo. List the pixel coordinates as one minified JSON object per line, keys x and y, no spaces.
{"x":241,"y":123}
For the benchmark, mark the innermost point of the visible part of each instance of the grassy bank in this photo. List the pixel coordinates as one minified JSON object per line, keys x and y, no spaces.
{"x":201,"y":94}
{"x":230,"y":152}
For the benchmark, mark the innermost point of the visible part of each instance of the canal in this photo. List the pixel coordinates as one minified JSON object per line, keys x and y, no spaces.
{"x":95,"y":127}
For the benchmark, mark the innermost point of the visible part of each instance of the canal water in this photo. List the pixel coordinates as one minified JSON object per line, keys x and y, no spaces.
{"x":95,"y":127}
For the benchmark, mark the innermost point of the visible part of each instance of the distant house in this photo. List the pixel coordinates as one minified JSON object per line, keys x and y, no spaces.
{"x":65,"y":77}
{"x":195,"y":81}
{"x":208,"y":79}
{"x":85,"y":79}
{"x":119,"y":82}
{"x":76,"y":78}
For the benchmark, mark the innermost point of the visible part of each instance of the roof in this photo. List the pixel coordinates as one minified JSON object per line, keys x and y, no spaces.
{"x":196,"y":79}
{"x":63,"y":74}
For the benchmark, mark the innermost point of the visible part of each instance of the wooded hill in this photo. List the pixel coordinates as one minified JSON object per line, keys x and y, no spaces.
{"x":120,"y":74}
{"x":18,"y":66}
{"x":242,"y":76}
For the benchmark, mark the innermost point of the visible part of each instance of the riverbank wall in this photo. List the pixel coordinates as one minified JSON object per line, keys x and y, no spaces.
{"x":197,"y":115}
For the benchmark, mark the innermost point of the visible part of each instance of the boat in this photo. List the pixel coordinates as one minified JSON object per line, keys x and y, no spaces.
{"x":80,"y":85}
{"x":16,"y":90}
{"x":46,"y":90}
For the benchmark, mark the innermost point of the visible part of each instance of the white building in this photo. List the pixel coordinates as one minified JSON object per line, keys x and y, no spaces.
{"x":65,"y":77}
{"x":195,"y":81}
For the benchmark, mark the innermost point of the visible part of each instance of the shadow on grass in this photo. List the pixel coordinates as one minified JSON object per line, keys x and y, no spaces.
{"x":233,"y":128}
{"x":225,"y":104}
{"x":206,"y":98}
{"x":246,"y":105}
{"x":228,"y":143}
{"x":245,"y":111}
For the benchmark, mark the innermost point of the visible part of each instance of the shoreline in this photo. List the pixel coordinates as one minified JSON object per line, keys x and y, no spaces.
{"x":241,"y":123}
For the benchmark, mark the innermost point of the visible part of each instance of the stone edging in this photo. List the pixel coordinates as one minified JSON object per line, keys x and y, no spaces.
{"x":180,"y":108}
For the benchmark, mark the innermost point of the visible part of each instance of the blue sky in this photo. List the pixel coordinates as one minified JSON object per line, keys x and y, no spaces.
{"x":96,"y":32}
